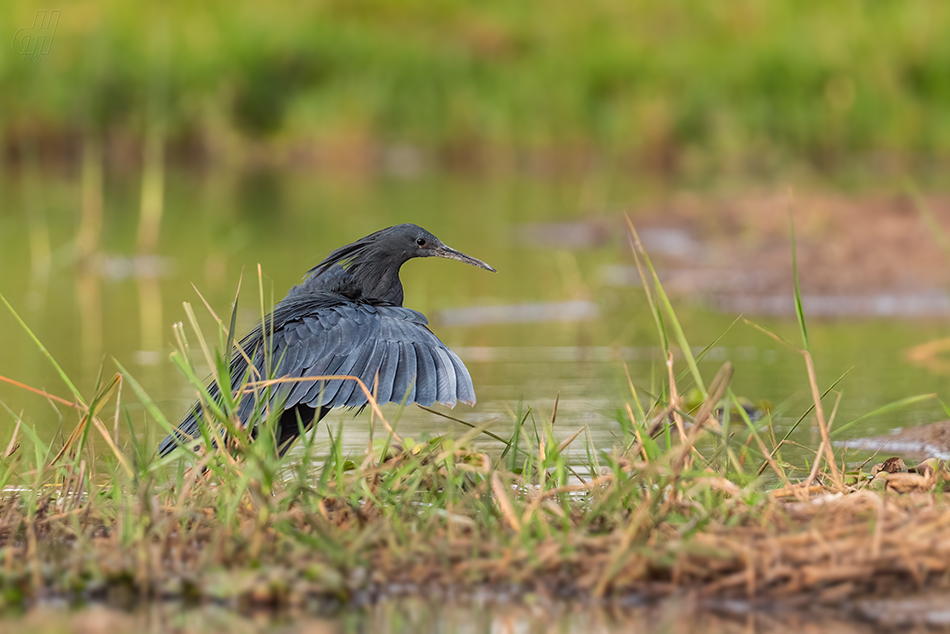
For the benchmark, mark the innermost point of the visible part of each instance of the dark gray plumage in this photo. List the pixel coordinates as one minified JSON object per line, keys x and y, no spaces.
{"x":346,"y":318}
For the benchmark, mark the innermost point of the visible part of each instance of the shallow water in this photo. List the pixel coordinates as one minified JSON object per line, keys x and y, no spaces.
{"x":421,"y":615}
{"x":560,"y":319}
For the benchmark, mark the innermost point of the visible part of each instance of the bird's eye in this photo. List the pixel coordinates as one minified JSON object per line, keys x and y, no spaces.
{"x":421,"y":242}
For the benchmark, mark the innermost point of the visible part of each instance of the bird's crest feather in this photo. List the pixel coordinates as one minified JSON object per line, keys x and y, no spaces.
{"x":344,"y":256}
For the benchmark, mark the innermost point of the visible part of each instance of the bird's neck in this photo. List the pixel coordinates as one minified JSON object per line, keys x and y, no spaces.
{"x":377,"y":279}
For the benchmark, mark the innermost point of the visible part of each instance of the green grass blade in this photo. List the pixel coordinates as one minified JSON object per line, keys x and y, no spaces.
{"x":638,"y":253}
{"x":799,"y":311}
{"x":146,"y":400}
{"x":664,"y":300}
{"x":234,"y":309}
{"x":774,"y":335}
{"x":884,"y":409}
{"x":702,"y":353}
{"x":39,"y":344}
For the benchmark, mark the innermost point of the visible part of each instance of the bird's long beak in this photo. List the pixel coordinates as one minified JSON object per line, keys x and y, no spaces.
{"x":443,"y":251}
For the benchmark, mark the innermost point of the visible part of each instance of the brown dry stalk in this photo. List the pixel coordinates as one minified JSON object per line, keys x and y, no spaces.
{"x":675,"y":399}
{"x":504,"y":503}
{"x":822,"y":425}
{"x":52,"y":397}
{"x":13,"y":444}
{"x":796,"y":489}
{"x":716,"y":390}
{"x":638,"y":447}
{"x":87,"y":414}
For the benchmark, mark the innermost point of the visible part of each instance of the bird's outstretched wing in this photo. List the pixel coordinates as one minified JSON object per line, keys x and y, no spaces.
{"x":363,"y":340}
{"x":323,"y":334}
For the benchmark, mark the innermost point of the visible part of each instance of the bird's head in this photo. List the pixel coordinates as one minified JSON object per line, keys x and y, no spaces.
{"x":415,"y":242}
{"x":372,"y":263}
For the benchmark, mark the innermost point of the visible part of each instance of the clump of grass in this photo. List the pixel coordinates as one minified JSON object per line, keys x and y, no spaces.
{"x":686,"y":501}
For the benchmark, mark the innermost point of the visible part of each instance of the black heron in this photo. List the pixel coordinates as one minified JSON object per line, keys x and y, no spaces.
{"x":346,"y":318}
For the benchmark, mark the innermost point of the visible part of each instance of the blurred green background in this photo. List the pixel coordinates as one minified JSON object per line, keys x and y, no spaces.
{"x":675,"y":87}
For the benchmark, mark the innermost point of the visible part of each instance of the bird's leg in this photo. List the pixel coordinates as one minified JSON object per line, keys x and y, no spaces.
{"x":294,"y":421}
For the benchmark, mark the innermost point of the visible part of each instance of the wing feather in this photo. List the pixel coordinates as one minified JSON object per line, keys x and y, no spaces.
{"x":445,"y":373}
{"x":464,"y":390}
{"x":426,"y":381}
{"x":407,"y":366}
{"x":388,"y":365}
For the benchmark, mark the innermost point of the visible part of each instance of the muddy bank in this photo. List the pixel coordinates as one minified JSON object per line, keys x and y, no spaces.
{"x":857,"y":255}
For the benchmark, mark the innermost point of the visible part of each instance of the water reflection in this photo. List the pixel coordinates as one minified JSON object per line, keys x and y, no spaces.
{"x":533,"y":313}
{"x":152,"y":327}
{"x":417,"y":615}
{"x":89,"y":296}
